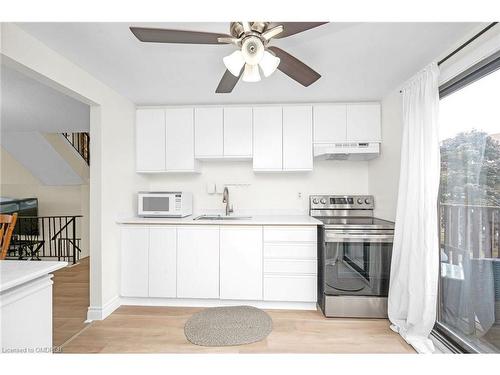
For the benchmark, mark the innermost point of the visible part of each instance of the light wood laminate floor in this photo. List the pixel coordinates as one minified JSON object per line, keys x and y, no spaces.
{"x":134,"y":329}
{"x":70,"y":301}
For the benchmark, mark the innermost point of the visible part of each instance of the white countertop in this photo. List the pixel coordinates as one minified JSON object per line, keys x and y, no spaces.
{"x":254,"y":220}
{"x":17,"y":272}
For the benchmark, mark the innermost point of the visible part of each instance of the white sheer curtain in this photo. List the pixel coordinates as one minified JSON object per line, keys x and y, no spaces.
{"x":415,"y":257}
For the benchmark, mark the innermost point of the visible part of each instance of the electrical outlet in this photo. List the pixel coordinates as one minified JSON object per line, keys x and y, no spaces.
{"x":299,"y":195}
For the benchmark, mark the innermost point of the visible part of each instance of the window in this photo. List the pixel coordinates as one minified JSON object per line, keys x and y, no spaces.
{"x":469,"y":209}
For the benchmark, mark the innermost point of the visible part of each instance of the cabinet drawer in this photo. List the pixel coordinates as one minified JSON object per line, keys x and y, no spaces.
{"x":290,"y":266}
{"x":290,"y":251}
{"x":290,"y":234}
{"x":290,"y":288}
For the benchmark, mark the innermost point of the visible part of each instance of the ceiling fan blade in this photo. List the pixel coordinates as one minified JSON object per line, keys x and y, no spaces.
{"x":227,"y":83}
{"x":145,"y":34}
{"x":292,"y":28}
{"x":295,"y":68}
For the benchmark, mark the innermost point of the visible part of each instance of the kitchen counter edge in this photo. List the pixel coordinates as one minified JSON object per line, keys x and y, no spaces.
{"x":255,"y":220}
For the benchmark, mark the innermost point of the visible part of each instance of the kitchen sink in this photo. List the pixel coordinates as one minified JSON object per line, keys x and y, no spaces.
{"x":221,"y":217}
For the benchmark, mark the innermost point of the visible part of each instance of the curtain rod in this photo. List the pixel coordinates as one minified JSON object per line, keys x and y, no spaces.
{"x":465,"y":44}
{"x":454,"y":52}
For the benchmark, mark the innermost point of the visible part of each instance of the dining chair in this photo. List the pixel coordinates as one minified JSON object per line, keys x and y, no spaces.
{"x":7,"y":224}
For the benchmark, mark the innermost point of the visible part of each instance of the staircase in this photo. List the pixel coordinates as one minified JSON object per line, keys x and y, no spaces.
{"x":81,"y":143}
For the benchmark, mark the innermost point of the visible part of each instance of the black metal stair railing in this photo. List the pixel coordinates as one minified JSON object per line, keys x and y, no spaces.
{"x":50,"y":237}
{"x":81,"y":143}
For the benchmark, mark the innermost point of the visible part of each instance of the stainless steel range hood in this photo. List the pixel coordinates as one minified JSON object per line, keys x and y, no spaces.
{"x":346,"y":151}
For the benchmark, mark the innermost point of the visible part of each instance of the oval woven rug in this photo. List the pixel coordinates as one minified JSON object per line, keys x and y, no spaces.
{"x":228,"y":326}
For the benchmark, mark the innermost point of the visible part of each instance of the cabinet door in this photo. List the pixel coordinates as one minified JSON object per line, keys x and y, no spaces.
{"x":198,"y":262}
{"x":363,"y":122}
{"x":179,"y":139}
{"x":296,"y":288}
{"x":162,"y":262}
{"x":267,"y":139}
{"x":238,"y":132}
{"x":241,"y":263}
{"x":150,"y":139}
{"x":134,"y":261}
{"x":297,"y":138}
{"x":330,"y":123}
{"x":208,"y":132}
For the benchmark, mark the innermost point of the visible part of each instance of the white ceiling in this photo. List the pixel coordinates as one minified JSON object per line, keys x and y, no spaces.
{"x":29,"y":105}
{"x":358,"y":61}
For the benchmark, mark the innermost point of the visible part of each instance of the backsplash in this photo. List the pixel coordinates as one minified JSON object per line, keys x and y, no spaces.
{"x":275,"y":193}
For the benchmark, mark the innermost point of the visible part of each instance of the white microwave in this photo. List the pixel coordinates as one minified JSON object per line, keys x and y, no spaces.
{"x":165,"y":204}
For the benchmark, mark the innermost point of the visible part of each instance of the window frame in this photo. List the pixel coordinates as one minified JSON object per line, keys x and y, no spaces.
{"x":476,"y":72}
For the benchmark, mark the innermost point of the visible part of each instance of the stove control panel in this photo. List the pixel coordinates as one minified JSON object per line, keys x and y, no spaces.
{"x":336,"y":202}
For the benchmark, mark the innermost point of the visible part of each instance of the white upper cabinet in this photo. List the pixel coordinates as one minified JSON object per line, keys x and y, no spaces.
{"x":363,"y":122}
{"x":180,"y":140}
{"x":267,"y":139}
{"x":162,"y":261}
{"x":330,"y":123}
{"x":241,"y":262}
{"x":238,"y":132}
{"x":277,"y":138}
{"x":150,"y":140}
{"x":297,"y":138}
{"x":208,"y":132}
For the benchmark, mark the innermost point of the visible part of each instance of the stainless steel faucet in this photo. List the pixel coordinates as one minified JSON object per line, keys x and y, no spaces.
{"x":225,"y":199}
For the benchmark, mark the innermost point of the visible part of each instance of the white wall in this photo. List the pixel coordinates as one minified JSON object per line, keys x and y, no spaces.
{"x":18,"y":182}
{"x":113,"y":182}
{"x":383,"y":172}
{"x":266,"y":191}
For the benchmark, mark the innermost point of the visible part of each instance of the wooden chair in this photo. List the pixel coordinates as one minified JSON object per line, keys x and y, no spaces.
{"x":7,"y":224}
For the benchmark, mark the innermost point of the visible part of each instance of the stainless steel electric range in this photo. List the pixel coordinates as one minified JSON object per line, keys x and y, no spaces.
{"x":354,"y":256}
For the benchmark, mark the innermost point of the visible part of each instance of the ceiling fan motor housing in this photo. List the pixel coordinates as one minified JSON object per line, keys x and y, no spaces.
{"x":236,"y":28}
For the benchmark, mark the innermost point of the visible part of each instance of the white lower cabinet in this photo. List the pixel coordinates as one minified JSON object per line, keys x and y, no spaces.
{"x":162,"y":262}
{"x":228,"y":262}
{"x":148,"y":261}
{"x":198,"y":262}
{"x":241,"y":263}
{"x":290,"y":264}
{"x":134,"y":261}
{"x":293,"y":288}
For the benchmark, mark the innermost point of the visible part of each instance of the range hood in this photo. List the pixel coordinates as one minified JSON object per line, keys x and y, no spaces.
{"x":346,"y":151}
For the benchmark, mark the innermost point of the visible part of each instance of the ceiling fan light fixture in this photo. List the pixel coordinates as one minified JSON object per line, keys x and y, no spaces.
{"x":269,"y":63}
{"x":234,"y":62}
{"x":252,"y":50}
{"x":251,"y":73}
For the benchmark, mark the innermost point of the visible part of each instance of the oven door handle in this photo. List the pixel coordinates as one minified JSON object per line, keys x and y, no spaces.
{"x":346,"y":237}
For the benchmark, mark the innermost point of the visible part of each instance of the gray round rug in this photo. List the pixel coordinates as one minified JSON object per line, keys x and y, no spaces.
{"x":227,"y":326}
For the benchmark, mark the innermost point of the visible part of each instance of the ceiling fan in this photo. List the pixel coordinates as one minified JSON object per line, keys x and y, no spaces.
{"x":253,"y":54}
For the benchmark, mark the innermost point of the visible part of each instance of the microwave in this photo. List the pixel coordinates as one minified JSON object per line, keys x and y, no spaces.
{"x":165,"y":204}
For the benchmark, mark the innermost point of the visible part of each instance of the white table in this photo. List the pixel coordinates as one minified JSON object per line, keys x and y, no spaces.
{"x":26,"y":305}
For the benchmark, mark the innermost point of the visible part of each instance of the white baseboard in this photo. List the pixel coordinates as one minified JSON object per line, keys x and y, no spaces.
{"x":101,"y":313}
{"x":188,"y":302}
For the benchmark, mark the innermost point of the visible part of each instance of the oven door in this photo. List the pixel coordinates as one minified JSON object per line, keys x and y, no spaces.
{"x":357,"y":262}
